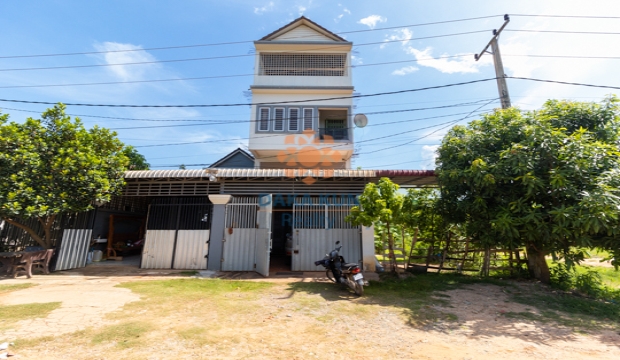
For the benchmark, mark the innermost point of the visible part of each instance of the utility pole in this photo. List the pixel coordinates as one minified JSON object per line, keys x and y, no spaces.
{"x":502,"y":88}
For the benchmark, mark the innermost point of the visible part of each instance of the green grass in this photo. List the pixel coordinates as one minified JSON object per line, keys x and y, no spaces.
{"x":125,"y":335}
{"x":610,"y":276}
{"x":11,"y":314}
{"x":14,"y":287}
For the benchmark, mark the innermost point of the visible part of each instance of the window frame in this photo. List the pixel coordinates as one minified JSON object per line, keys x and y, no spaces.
{"x":262,"y":121}
{"x":290,"y":119}
{"x":283,"y":119}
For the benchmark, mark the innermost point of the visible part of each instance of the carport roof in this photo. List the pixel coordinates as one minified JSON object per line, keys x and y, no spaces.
{"x":405,"y":178}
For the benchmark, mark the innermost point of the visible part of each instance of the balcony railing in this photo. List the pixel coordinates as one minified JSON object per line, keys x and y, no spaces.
{"x":336,"y":134}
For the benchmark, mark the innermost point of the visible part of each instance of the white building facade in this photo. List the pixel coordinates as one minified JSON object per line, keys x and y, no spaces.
{"x":302,"y":117}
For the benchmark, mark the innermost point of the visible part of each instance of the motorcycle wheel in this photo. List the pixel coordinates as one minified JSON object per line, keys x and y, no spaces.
{"x":359,"y":289}
{"x":330,"y":275}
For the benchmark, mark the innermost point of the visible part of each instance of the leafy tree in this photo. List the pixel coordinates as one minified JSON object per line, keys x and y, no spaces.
{"x":53,"y":165}
{"x":546,"y":180}
{"x":379,"y":204}
{"x":137,"y":161}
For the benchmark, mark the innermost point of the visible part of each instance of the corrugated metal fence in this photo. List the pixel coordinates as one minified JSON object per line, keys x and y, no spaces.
{"x":177,"y":234}
{"x":318,"y":222}
{"x":240,"y":234}
{"x":73,"y":249}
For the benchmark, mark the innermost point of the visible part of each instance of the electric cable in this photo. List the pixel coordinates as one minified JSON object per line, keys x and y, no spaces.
{"x":250,"y":104}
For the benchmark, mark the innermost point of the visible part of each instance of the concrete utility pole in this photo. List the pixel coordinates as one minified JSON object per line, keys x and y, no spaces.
{"x":499,"y":67}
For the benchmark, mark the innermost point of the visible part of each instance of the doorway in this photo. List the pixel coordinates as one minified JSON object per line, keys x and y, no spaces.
{"x":282,"y":227}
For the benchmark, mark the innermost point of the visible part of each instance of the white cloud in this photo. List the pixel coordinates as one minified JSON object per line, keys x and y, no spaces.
{"x":301,"y":9}
{"x":372,"y":20}
{"x":337,"y":19}
{"x":126,"y":72}
{"x":264,"y":9}
{"x":404,"y":71}
{"x":463,"y":65}
{"x":356,"y":60}
{"x":347,"y":11}
{"x":428,"y":153}
{"x":402,"y":35}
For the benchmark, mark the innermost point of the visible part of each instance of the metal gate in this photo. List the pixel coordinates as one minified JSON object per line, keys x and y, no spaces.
{"x":177,"y":234}
{"x":318,"y":222}
{"x":247,"y":236}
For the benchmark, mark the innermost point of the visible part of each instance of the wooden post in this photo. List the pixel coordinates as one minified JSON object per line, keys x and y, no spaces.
{"x":465,"y":253}
{"x":486,"y":262}
{"x":444,"y":252}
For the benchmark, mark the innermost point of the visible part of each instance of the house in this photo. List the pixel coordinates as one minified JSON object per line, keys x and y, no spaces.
{"x":294,"y":180}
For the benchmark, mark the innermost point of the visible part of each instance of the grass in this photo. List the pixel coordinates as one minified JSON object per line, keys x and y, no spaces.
{"x":125,"y":335}
{"x":14,"y":287}
{"x":11,"y":314}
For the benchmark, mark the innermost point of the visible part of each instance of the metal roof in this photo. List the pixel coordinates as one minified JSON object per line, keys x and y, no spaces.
{"x":248,"y":173}
{"x":301,"y":20}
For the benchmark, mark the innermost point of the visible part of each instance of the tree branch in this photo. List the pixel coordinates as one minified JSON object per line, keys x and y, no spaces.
{"x":30,"y":232}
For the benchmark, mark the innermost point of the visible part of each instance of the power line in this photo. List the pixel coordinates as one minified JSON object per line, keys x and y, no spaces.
{"x":314,"y":117}
{"x":242,"y":41}
{"x":212,"y":77}
{"x":568,"y":16}
{"x":250,"y":104}
{"x":564,"y":82}
{"x":231,"y":56}
{"x":350,"y":66}
{"x":565,"y":32}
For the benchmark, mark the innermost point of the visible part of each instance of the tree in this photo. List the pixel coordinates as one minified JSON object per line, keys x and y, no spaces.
{"x":379,"y":203}
{"x":53,"y":165}
{"x":546,"y":180}
{"x":137,"y":161}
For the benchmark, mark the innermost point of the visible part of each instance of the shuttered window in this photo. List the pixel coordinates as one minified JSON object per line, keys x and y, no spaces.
{"x":278,"y":119}
{"x":293,"y":119}
{"x":308,"y":120}
{"x":287,"y":64}
{"x":263,"y":120}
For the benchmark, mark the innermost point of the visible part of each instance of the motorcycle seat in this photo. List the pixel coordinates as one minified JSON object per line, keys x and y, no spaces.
{"x":349,"y":265}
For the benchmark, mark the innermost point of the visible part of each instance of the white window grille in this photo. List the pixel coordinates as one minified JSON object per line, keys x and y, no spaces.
{"x":287,"y":64}
{"x":308,"y":119}
{"x":278,"y":119}
{"x":263,"y":120}
{"x":293,"y":119}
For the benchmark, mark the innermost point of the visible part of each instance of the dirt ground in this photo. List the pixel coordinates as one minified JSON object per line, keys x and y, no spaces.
{"x":293,"y":326}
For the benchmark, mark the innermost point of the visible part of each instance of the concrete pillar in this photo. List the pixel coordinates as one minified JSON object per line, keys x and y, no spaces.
{"x":218,"y":223}
{"x":368,"y":247}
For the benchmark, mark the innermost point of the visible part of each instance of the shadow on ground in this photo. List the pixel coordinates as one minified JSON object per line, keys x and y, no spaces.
{"x":479,"y":308}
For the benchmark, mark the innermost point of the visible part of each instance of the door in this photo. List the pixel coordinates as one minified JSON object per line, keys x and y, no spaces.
{"x":263,"y":234}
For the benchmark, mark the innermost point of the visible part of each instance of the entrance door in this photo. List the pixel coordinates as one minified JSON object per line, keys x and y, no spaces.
{"x":263,"y":235}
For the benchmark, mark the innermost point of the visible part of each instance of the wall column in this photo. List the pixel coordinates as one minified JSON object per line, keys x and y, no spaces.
{"x":218,"y":223}
{"x":368,"y":247}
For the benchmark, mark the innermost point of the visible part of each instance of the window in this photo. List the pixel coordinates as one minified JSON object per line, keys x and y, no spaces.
{"x":287,"y":64}
{"x":278,"y":119}
{"x":308,"y":119}
{"x":263,"y":119}
{"x":293,"y":119}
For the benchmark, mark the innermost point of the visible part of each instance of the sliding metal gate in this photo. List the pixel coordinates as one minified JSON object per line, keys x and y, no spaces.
{"x":177,"y":234}
{"x":247,"y":237}
{"x":318,"y":222}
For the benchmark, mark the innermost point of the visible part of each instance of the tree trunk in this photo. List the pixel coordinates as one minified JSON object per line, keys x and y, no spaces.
{"x":537,"y":265}
{"x":391,"y":248}
{"x":27,"y":229}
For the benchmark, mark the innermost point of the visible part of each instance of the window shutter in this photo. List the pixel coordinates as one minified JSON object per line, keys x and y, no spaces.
{"x":263,"y":121}
{"x":293,"y":120}
{"x":308,"y":120}
{"x":278,"y":119}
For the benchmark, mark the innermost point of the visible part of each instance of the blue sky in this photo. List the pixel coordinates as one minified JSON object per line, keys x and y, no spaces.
{"x":55,"y":27}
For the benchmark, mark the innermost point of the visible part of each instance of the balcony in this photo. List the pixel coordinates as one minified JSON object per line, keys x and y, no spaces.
{"x":335,"y":133}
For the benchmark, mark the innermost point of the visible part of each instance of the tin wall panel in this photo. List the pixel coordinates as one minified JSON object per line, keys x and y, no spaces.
{"x":158,"y":247}
{"x":73,"y":249}
{"x":313,"y":244}
{"x":239,"y":250}
{"x":192,"y":247}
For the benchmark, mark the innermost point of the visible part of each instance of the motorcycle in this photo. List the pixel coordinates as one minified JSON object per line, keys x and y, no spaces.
{"x":338,"y":271}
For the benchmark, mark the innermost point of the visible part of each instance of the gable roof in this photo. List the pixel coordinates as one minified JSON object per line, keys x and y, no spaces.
{"x":229,"y":156}
{"x":299,"y":22}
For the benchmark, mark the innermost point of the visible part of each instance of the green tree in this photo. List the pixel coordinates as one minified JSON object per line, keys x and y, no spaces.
{"x":54,"y":165}
{"x":546,"y":180}
{"x":379,"y":204}
{"x":137,"y":161}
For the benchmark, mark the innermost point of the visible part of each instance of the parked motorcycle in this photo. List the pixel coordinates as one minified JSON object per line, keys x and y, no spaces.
{"x":338,"y":271}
